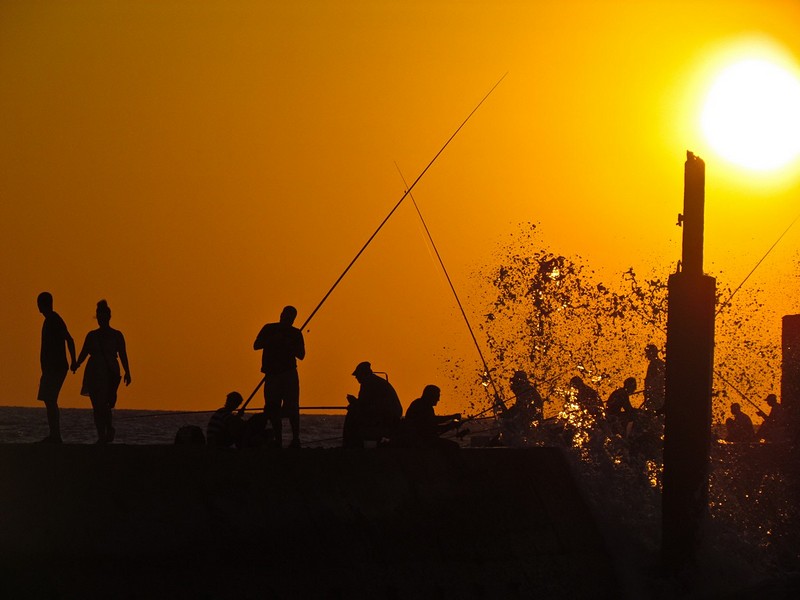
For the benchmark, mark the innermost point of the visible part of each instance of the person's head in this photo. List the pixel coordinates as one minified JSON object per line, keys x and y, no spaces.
{"x":431,"y":394}
{"x":103,"y":313}
{"x":735,"y":408}
{"x":288,"y":315}
{"x":772,"y":400}
{"x":630,"y":385}
{"x":362,"y":371}
{"x":651,"y":351}
{"x":519,"y":377}
{"x":233,"y":400}
{"x":45,"y":302}
{"x":576,"y":382}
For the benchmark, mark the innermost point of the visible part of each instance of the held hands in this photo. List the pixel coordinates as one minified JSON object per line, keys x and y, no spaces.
{"x":74,"y":366}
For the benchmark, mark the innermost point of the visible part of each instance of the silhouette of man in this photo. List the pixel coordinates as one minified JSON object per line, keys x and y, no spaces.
{"x":773,"y":429}
{"x":586,"y":396}
{"x":53,"y":359}
{"x":619,"y":411}
{"x":282,"y":345}
{"x":529,"y":401}
{"x":226,"y":428}
{"x":654,"y":381}
{"x":375,"y":413}
{"x":422,"y":427}
{"x":516,"y":421}
{"x":740,"y":427}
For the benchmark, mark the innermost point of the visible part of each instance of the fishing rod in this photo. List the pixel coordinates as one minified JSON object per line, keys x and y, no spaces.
{"x":391,"y":212}
{"x":780,"y":237}
{"x":169,"y":413}
{"x":738,"y":391}
{"x":452,"y":288}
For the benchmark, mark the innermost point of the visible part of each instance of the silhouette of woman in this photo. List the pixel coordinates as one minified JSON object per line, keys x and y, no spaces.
{"x":101,"y":377}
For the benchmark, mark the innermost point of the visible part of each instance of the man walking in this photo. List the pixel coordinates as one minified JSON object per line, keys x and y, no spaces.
{"x":282,"y":345}
{"x":53,"y":361}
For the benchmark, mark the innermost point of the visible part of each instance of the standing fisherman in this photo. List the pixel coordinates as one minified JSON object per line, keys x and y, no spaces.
{"x":282,"y":345}
{"x":654,"y":381}
{"x":53,"y":361}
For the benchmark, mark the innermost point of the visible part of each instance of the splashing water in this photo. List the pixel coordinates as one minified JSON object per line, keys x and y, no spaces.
{"x":550,"y":316}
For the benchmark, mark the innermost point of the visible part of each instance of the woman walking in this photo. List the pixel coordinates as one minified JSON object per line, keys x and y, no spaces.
{"x":101,"y":378}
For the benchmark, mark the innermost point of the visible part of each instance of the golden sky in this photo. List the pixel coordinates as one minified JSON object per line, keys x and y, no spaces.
{"x":201,"y":164}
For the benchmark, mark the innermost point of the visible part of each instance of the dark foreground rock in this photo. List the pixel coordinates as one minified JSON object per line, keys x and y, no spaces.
{"x":175,"y":521}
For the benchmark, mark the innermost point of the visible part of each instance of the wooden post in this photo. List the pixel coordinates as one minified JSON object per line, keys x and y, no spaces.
{"x":689,"y":378}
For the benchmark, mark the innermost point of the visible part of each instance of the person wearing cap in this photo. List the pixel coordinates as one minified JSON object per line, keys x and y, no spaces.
{"x":773,"y":429}
{"x":282,"y":346}
{"x":654,"y":381}
{"x":375,"y":413}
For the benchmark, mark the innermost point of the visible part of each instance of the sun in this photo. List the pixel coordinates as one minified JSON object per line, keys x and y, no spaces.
{"x":751,"y":114}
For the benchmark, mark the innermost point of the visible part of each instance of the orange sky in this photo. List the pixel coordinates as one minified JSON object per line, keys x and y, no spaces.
{"x":200,"y":164}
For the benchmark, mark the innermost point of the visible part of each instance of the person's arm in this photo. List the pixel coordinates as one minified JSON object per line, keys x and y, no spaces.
{"x":123,"y":358}
{"x":300,"y":350}
{"x":83,"y":354}
{"x":259,"y":343}
{"x":71,"y":348}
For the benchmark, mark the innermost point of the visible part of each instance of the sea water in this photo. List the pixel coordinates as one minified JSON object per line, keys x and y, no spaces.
{"x":26,"y":425}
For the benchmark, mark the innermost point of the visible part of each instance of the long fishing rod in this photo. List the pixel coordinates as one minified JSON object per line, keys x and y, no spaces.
{"x":170,"y":413}
{"x":391,"y":212}
{"x":738,"y":391}
{"x":486,"y":370}
{"x":728,"y":301}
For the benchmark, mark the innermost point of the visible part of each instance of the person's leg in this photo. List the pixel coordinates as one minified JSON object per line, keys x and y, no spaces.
{"x":272,"y":407}
{"x":53,"y":420}
{"x":49,"y":388}
{"x":99,"y":417}
{"x":110,"y":431}
{"x":292,"y":405}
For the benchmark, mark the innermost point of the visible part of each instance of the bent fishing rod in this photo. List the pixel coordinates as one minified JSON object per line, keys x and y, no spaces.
{"x":486,"y":370}
{"x":391,"y":212}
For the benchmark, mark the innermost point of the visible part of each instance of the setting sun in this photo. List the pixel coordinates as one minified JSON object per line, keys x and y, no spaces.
{"x":751,"y":115}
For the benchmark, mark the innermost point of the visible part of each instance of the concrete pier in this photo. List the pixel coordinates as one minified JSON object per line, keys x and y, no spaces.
{"x":176,"y":521}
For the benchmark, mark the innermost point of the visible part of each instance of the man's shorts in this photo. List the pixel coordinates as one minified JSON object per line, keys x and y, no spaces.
{"x":282,"y":393}
{"x":50,"y":385}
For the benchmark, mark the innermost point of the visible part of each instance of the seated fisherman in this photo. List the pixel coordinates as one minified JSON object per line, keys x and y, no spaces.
{"x":517,"y":421}
{"x":422,"y":427}
{"x":619,"y":412}
{"x":740,"y":427}
{"x":773,"y":429}
{"x":375,"y":413}
{"x":225,"y":428}
{"x":586,"y":397}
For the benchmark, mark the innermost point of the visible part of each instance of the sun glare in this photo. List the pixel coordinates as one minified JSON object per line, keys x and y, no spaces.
{"x":751,"y":115}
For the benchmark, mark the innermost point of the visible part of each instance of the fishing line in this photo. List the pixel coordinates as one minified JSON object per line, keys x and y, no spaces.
{"x":391,"y":212}
{"x":452,"y":288}
{"x":738,"y":391}
{"x":726,"y":303}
